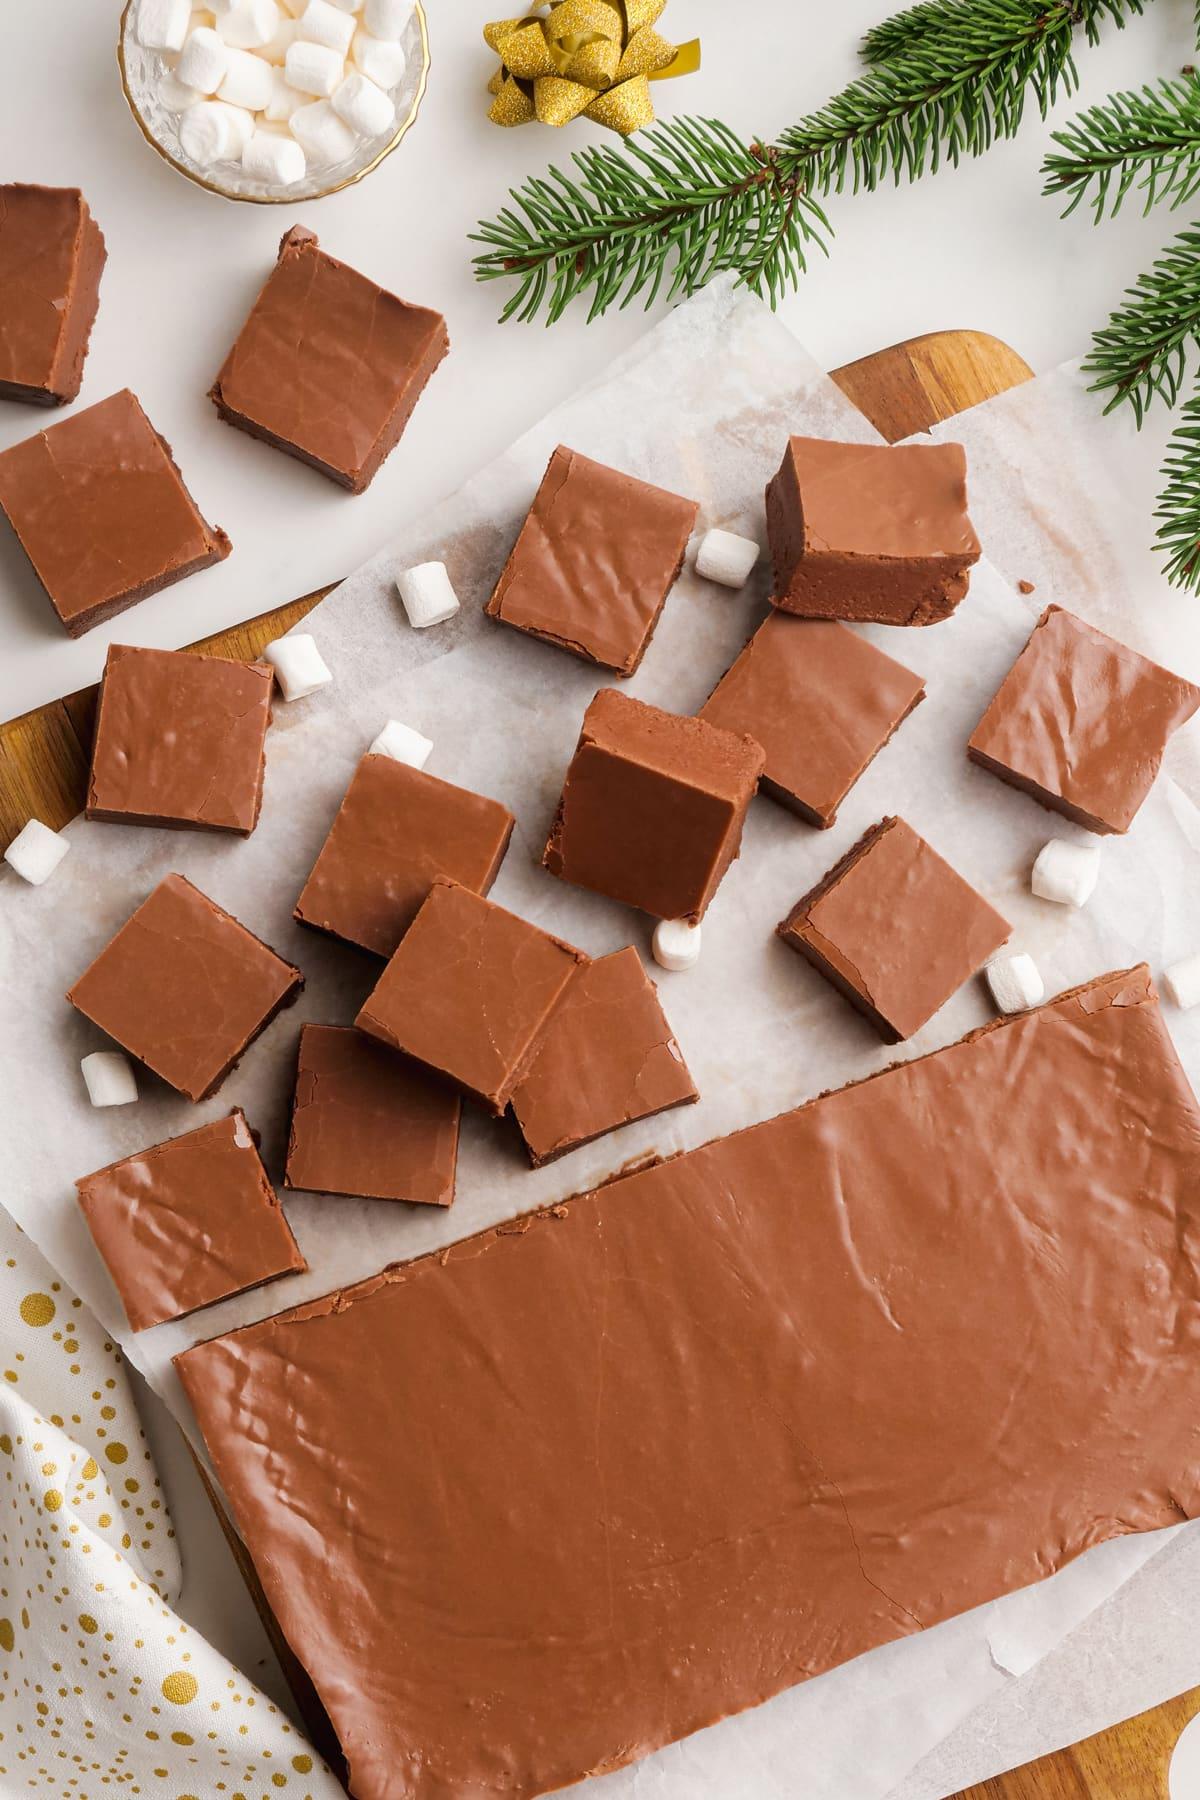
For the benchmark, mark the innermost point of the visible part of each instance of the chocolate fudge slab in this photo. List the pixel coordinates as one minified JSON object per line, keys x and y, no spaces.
{"x":594,"y":563}
{"x":395,"y":831}
{"x":895,"y":929}
{"x":100,"y":510}
{"x":184,"y":988}
{"x":653,"y":807}
{"x":821,"y":701}
{"x":658,"y":1453}
{"x":1081,"y":722}
{"x":469,"y":992}
{"x":189,"y":1222}
{"x":870,"y":531}
{"x":607,"y":1058}
{"x":180,"y":740}
{"x":367,"y":1122}
{"x":52,"y":256}
{"x":329,"y":366}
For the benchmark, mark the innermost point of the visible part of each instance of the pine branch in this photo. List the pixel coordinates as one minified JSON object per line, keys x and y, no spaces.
{"x":1148,"y":139}
{"x":1141,"y":354}
{"x":902,"y":31}
{"x":1178,"y":510}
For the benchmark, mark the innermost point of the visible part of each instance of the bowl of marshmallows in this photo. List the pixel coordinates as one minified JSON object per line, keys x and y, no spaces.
{"x":274,"y":100}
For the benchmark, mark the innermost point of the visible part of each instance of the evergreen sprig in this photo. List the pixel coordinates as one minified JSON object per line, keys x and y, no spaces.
{"x":1148,"y":140}
{"x":1178,"y":511}
{"x":1141,"y":355}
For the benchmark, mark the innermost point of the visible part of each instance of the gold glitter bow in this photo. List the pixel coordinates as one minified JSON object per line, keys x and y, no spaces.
{"x":584,"y":56}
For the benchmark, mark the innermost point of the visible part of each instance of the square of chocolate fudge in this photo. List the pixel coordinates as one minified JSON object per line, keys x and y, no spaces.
{"x":369,"y":1122}
{"x":653,"y":806}
{"x":188,"y":1222}
{"x":100,"y":510}
{"x":180,"y":740}
{"x":1080,"y":723}
{"x":395,"y":831}
{"x":51,"y":258}
{"x":895,"y":929}
{"x":821,"y":701}
{"x":607,"y":1058}
{"x":184,"y":988}
{"x":595,"y":560}
{"x":870,"y":531}
{"x":469,"y":992}
{"x":329,"y":366}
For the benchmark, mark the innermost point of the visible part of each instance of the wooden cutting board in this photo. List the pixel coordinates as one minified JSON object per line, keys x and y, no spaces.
{"x":43,"y":774}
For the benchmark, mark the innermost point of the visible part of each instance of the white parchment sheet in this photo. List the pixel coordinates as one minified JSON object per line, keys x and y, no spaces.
{"x":702,"y":405}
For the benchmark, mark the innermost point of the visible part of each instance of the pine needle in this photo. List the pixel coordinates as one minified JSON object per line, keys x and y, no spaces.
{"x":1147,"y":140}
{"x":1141,"y":355}
{"x":1178,"y":510}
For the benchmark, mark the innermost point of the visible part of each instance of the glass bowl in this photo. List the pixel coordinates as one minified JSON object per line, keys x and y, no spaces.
{"x":142,"y":71}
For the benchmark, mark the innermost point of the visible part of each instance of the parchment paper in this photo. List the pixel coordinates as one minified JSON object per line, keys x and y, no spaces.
{"x":701,"y":405}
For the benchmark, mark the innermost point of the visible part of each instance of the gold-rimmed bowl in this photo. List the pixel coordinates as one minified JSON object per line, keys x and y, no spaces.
{"x":142,"y":71}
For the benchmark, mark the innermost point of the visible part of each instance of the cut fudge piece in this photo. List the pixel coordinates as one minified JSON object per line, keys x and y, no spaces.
{"x":328,"y":366}
{"x":607,"y":1058}
{"x":189,"y":1222}
{"x":184,"y":988}
{"x":1080,"y":722}
{"x":180,"y":740}
{"x":871,"y":531}
{"x":51,"y":258}
{"x":395,"y":831}
{"x":469,"y":992}
{"x":821,"y":701}
{"x":757,"y":1398}
{"x":653,"y":807}
{"x":368,"y":1122}
{"x":895,"y":929}
{"x":595,"y":561}
{"x":100,"y":510}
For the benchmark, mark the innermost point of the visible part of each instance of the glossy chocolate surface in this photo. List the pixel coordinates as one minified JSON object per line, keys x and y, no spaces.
{"x":652,"y":807}
{"x":180,"y":740}
{"x":1081,"y":722}
{"x":189,"y":1222}
{"x":895,"y":929}
{"x":329,"y":365}
{"x":535,"y":1505}
{"x":595,"y":561}
{"x":51,"y":258}
{"x":184,"y":988}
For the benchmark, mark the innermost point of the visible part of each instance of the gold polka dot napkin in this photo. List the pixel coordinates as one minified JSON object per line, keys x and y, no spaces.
{"x":103,"y":1689}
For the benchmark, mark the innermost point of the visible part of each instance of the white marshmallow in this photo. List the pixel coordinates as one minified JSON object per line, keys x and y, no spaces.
{"x":276,"y":51}
{"x":36,"y":852}
{"x":176,"y":95}
{"x":725,"y":557}
{"x":109,"y":1078}
{"x":429,"y":598}
{"x":249,"y":24}
{"x":387,"y":18}
{"x":298,"y":667}
{"x":204,"y":61}
{"x":350,"y":6}
{"x":274,"y":157}
{"x":402,"y":744}
{"x":284,"y":100}
{"x":293,"y":7}
{"x":1016,"y":983}
{"x":313,"y":68}
{"x":382,"y":61}
{"x":321,"y":134}
{"x":215,"y":132}
{"x":220,"y":6}
{"x":247,"y":81}
{"x":364,"y":107}
{"x":676,"y":945}
{"x":1066,"y":872}
{"x":323,"y":23}
{"x":163,"y":24}
{"x":1182,"y":981}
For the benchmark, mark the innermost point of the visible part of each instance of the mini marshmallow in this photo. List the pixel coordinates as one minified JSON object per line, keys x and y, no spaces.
{"x":298,"y":667}
{"x":323,"y":23}
{"x":109,"y":1078}
{"x":1016,"y":983}
{"x":402,"y":744}
{"x":725,"y":557}
{"x":204,"y":61}
{"x":218,"y":7}
{"x":387,"y":18}
{"x":1182,"y":982}
{"x":321,"y":134}
{"x":284,"y":100}
{"x":249,"y":24}
{"x":429,"y":598}
{"x":36,"y":852}
{"x":364,"y":107}
{"x":274,"y":157}
{"x":313,"y":68}
{"x":382,"y":62}
{"x":163,"y":24}
{"x":247,"y":81}
{"x":350,"y":6}
{"x":175,"y":95}
{"x":676,"y":945}
{"x":215,"y":132}
{"x":276,"y":51}
{"x":1066,"y":872}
